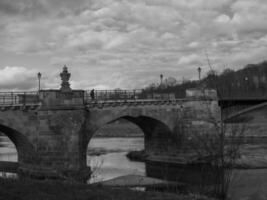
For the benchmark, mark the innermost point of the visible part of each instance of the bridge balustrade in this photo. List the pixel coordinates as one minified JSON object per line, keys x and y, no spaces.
{"x":30,"y":98}
{"x":119,"y":95}
{"x":18,"y":98}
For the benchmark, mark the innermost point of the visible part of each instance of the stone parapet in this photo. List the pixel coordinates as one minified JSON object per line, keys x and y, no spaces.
{"x":54,"y":98}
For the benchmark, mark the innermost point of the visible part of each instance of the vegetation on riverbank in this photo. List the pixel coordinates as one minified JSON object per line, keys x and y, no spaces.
{"x":53,"y":190}
{"x":247,"y":82}
{"x":98,"y":151}
{"x":120,"y":128}
{"x":139,"y":156}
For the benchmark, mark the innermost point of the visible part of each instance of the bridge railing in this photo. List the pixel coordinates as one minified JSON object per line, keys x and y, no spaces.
{"x":28,"y":98}
{"x":120,"y":95}
{"x":18,"y":98}
{"x":105,"y":95}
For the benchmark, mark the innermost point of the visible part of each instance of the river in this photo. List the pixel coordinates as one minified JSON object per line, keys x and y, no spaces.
{"x":110,"y":164}
{"x":247,"y":184}
{"x":8,"y":151}
{"x":114,"y":163}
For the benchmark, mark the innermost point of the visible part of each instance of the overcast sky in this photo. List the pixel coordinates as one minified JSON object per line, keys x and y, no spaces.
{"x":125,"y":44}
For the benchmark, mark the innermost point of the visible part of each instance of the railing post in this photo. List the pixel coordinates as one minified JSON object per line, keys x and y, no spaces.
{"x":38,"y":97}
{"x":24,"y":98}
{"x":12,"y":99}
{"x":84,"y":97}
{"x":106,"y":95}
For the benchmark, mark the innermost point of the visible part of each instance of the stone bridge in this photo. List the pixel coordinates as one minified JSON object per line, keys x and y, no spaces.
{"x":52,"y":128}
{"x":51,"y":138}
{"x":250,"y":112}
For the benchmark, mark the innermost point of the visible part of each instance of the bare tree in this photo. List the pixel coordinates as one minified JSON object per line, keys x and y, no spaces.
{"x":215,"y":148}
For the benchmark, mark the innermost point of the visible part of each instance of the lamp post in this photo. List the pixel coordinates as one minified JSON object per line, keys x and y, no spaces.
{"x":39,"y":87}
{"x":39,"y":79}
{"x":199,"y":73}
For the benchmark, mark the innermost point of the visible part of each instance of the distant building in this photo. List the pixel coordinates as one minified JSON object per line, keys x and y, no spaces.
{"x":171,"y":81}
{"x":164,"y":96}
{"x":168,"y":82}
{"x":201,"y":93}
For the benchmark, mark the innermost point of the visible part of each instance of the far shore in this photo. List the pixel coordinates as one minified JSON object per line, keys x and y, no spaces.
{"x":119,"y":136}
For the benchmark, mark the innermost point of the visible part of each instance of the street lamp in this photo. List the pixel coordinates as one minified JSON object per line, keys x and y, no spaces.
{"x":199,"y":73}
{"x":39,"y":79}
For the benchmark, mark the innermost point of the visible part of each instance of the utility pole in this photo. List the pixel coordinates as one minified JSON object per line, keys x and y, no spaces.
{"x":161,"y":78}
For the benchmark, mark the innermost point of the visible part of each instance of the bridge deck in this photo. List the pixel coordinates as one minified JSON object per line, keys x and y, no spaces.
{"x":100,"y":96}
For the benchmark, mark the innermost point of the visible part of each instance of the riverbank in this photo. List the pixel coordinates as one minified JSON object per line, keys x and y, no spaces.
{"x":120,"y":129}
{"x":253,"y":156}
{"x":139,"y":156}
{"x":102,"y":151}
{"x":52,"y":190}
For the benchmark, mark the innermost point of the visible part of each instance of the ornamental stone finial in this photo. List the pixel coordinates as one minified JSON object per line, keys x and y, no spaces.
{"x":65,"y":76}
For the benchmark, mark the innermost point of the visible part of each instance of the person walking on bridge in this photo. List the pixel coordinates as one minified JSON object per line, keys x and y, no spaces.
{"x":92,"y":94}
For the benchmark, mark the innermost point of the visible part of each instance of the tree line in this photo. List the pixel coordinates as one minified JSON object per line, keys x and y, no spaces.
{"x":249,"y":82}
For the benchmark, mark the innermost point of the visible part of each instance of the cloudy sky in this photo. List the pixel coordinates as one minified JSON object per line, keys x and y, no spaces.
{"x":125,"y":43}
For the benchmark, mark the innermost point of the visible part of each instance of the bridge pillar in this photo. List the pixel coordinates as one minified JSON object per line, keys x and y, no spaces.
{"x":58,"y":146}
{"x":60,"y":134}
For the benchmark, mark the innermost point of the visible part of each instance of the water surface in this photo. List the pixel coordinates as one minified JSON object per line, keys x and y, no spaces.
{"x":112,"y":164}
{"x":8,"y":151}
{"x":248,"y":184}
{"x":115,"y":164}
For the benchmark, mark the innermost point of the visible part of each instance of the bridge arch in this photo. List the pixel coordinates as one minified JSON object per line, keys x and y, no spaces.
{"x":25,"y":149}
{"x":158,"y":135}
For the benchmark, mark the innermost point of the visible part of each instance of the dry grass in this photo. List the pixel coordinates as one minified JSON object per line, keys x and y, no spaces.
{"x":53,"y":190}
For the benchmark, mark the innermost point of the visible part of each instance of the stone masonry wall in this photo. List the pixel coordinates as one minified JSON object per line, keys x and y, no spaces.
{"x":161,"y":123}
{"x":59,"y":138}
{"x":56,"y":138}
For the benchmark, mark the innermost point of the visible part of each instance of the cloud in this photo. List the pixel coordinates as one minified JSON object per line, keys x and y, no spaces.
{"x":250,"y":16}
{"x":17,"y":78}
{"x":17,"y":7}
{"x":223,"y":19}
{"x":190,"y":59}
{"x":110,"y":43}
